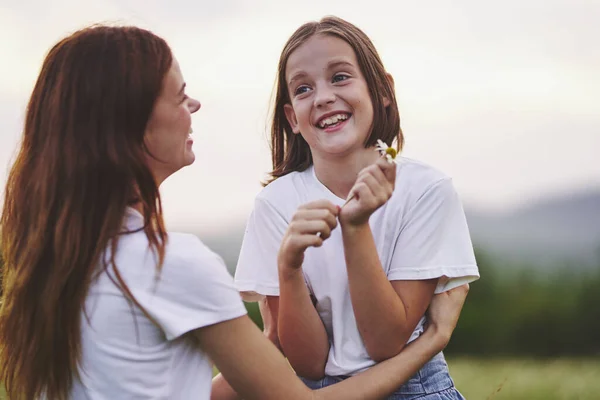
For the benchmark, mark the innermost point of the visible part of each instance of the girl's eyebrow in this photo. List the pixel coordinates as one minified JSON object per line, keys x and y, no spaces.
{"x":296,"y":76}
{"x":339,"y":63}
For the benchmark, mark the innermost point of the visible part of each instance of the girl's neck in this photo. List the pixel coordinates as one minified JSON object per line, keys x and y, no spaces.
{"x":339,"y":174}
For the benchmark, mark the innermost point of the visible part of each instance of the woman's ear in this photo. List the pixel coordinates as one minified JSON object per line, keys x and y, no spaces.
{"x":390,"y":78}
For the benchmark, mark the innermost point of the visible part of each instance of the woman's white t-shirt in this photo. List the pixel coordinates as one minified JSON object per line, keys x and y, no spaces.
{"x":124,"y":354}
{"x":420,"y":233}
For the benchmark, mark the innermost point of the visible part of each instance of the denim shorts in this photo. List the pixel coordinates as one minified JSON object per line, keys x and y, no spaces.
{"x":432,"y":382}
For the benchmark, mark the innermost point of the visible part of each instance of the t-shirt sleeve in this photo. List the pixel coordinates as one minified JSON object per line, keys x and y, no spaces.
{"x":434,"y":241}
{"x":193,"y":290}
{"x":256,"y":273}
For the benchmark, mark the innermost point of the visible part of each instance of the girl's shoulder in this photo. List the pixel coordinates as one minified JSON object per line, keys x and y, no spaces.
{"x":416,"y":179}
{"x":418,"y":174}
{"x":285,"y":183}
{"x":288,"y":191}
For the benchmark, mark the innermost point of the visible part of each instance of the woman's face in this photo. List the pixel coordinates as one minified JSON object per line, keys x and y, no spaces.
{"x":167,"y":136}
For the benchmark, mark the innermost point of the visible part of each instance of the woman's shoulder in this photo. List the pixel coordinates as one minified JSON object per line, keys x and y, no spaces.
{"x":189,"y":261}
{"x":183,"y":248}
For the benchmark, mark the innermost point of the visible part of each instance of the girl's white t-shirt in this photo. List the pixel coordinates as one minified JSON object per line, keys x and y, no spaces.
{"x":127,"y":356}
{"x":420,"y":233}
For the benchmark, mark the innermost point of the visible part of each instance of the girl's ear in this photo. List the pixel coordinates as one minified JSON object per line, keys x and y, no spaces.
{"x":291,"y":117}
{"x":390,"y":78}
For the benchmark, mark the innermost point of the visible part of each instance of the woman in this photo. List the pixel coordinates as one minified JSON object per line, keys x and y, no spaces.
{"x":98,"y":301}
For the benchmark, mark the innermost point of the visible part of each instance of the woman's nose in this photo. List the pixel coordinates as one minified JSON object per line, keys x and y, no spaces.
{"x":194,"y":105}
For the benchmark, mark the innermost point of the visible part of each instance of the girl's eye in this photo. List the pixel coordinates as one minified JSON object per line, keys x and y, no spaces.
{"x":185,"y":97}
{"x":339,"y":77}
{"x":301,"y":90}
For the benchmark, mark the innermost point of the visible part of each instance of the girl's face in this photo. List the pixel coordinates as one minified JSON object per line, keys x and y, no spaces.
{"x":168,"y":131}
{"x":330,"y":103}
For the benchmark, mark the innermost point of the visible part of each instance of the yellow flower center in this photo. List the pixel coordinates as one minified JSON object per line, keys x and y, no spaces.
{"x":391,"y":151}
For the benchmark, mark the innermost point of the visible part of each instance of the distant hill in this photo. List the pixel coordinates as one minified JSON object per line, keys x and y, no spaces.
{"x":549,"y":232}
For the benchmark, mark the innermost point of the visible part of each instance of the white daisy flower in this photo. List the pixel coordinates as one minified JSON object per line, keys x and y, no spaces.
{"x":390,"y":153}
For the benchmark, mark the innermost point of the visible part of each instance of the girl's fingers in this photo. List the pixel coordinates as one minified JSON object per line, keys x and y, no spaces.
{"x":310,"y":227}
{"x":376,"y":171}
{"x":362,"y":192}
{"x":316,"y":215}
{"x":381,"y":193}
{"x":388,"y":169}
{"x":302,"y":242}
{"x":320,"y":205}
{"x":378,"y":183}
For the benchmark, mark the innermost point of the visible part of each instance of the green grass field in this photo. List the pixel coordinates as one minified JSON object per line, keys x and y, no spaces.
{"x":562,"y":379}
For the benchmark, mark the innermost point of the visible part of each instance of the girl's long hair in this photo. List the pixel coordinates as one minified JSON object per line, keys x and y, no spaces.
{"x":81,"y":162}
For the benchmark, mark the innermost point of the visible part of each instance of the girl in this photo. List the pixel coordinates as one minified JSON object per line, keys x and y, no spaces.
{"x":98,"y":301}
{"x":338,"y":301}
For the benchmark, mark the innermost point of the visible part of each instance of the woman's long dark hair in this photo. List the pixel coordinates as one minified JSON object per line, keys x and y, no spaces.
{"x":80,"y":164}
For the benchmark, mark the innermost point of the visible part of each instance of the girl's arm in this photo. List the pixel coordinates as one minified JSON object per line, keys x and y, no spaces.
{"x":386,"y":312}
{"x":257,"y":370}
{"x":301,"y":332}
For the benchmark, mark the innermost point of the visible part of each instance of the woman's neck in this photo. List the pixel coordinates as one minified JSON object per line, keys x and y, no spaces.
{"x":339,"y":174}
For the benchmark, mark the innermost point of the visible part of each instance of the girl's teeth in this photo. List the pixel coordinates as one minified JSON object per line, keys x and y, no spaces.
{"x":332,"y":120}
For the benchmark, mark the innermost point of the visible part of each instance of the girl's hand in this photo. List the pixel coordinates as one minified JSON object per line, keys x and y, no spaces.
{"x":372,"y":189}
{"x":311,"y":225}
{"x":445,"y":309}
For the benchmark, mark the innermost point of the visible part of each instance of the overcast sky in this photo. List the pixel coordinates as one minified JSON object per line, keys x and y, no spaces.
{"x":502,"y":96}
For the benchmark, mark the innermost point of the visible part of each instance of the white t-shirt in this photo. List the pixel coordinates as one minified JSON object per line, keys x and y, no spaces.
{"x":124,"y":354}
{"x":420,"y":233}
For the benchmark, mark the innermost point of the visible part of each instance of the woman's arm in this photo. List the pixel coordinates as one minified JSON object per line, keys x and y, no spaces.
{"x":257,"y":370}
{"x":268,"y":307}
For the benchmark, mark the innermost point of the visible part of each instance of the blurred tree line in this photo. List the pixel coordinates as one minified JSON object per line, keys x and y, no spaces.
{"x":525,"y":312}
{"x":530,"y":313}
